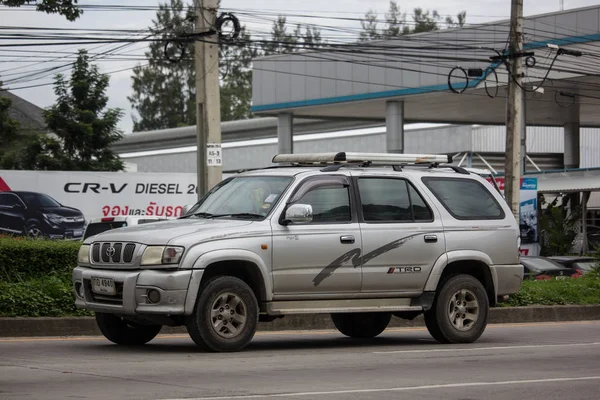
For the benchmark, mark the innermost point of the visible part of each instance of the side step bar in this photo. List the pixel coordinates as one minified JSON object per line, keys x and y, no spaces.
{"x":343,"y":306}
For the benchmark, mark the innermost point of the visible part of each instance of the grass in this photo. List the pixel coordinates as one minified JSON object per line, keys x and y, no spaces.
{"x":579,"y":291}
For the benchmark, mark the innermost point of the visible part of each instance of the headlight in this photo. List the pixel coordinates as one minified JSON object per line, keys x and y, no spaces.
{"x":83,"y":257}
{"x":55,"y":219}
{"x":162,"y":255}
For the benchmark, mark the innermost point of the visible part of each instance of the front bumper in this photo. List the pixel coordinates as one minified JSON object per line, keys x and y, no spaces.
{"x":60,"y":231}
{"x":132,"y":287}
{"x":509,"y":278}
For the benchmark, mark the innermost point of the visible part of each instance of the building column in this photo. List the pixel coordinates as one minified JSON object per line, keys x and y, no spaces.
{"x":572,"y":145}
{"x":572,"y":150}
{"x":394,"y":121}
{"x":285,"y":133}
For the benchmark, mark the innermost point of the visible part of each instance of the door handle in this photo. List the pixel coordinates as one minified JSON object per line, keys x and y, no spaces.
{"x":430,"y":238}
{"x":347,"y":239}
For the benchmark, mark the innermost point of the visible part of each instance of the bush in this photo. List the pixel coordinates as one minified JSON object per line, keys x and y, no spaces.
{"x":581,"y":291}
{"x":49,"y":296}
{"x":24,"y":259}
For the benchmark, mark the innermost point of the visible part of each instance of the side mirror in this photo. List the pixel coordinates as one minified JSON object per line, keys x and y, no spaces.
{"x":299,"y":214}
{"x":186,"y":208}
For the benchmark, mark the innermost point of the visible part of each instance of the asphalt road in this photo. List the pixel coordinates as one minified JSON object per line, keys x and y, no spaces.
{"x":530,"y":361}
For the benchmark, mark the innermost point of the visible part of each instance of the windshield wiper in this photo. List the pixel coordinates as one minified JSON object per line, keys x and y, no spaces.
{"x":199,"y":214}
{"x":238,"y":215}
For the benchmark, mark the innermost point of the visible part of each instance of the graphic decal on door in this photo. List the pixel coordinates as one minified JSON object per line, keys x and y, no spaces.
{"x":356,"y":259}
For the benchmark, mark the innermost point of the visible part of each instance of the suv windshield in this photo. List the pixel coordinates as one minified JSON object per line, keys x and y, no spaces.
{"x":38,"y":200}
{"x":248,"y":196}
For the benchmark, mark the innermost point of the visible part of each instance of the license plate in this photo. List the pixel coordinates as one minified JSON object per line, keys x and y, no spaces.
{"x":561,"y":277}
{"x":104,"y":286}
{"x":78,"y":233}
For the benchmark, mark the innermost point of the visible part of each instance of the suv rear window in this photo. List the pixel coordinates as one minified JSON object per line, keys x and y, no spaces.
{"x":391,"y":200}
{"x":465,"y":199}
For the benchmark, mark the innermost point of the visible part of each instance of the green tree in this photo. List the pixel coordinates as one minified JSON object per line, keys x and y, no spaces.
{"x":9,"y":135}
{"x":84,"y":130}
{"x":164,"y":93}
{"x":66,"y":8}
{"x":558,"y":225}
{"x":395,"y":23}
{"x":282,"y":41}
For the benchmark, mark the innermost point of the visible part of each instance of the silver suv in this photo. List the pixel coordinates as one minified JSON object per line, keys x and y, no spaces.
{"x":362,"y":237}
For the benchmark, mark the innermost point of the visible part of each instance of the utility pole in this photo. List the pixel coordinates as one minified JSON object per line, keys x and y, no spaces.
{"x":208,"y":106}
{"x":514,"y":112}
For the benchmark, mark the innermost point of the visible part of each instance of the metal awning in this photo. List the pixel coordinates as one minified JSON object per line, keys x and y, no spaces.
{"x":568,"y":182}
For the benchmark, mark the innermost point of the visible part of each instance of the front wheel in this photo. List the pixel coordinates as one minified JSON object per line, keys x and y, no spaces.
{"x":225,"y":317}
{"x":459,"y":312}
{"x":361,"y":325}
{"x":123,"y":332}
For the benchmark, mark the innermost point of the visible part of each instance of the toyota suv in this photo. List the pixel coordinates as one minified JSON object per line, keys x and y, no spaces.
{"x":362,"y":237}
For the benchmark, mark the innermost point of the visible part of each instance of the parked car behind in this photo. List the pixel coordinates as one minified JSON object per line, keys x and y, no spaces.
{"x":103,"y":224}
{"x":37,"y":214}
{"x":543,"y":268}
{"x":582,"y":264}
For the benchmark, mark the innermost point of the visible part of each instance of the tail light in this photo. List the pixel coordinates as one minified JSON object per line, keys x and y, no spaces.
{"x":542,"y":278}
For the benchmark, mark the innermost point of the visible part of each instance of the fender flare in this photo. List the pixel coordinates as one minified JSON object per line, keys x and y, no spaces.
{"x":214,"y":256}
{"x":459,"y":255}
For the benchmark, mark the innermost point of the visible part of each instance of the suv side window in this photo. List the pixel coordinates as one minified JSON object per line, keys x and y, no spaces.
{"x":8,"y":200}
{"x":465,"y":199}
{"x":330,"y":203}
{"x":391,"y":200}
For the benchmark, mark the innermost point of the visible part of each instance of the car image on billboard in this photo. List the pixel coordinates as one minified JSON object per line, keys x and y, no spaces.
{"x":36,"y":214}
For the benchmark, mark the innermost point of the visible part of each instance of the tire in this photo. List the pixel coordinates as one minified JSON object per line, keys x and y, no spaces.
{"x":445,"y":320}
{"x":125,"y":333}
{"x":361,"y":325}
{"x":225,"y":316}
{"x":32,"y":231}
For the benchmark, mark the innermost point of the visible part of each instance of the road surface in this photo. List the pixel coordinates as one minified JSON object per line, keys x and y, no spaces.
{"x":528,"y":361}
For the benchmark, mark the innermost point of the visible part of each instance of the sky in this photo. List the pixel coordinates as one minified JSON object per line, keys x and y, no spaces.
{"x":260,"y":13}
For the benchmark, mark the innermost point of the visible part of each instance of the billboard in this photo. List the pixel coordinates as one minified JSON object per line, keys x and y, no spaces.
{"x":528,"y":215}
{"x":60,"y":203}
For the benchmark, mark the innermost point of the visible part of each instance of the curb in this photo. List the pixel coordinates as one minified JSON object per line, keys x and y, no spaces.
{"x":86,"y":326}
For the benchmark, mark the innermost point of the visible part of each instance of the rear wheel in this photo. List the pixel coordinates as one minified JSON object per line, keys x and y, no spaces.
{"x":459,"y":312}
{"x":123,"y":332}
{"x":225,"y":317}
{"x":361,"y":325}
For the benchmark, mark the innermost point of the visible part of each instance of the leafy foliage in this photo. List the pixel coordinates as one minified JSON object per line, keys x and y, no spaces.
{"x":50,"y":296}
{"x":66,"y":8}
{"x":24,"y":259}
{"x":84,"y":130}
{"x":581,"y":291}
{"x":9,"y":135}
{"x":396,"y":24}
{"x":559,"y":226}
{"x":164,"y":93}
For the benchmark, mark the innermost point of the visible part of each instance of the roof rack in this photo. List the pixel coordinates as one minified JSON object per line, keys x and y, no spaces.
{"x":364,"y":158}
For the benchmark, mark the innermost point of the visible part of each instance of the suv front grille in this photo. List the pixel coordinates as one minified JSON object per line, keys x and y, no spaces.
{"x":113,"y":253}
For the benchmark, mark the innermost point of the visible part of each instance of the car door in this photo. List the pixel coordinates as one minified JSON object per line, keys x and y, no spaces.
{"x":402,"y":235}
{"x":11,"y":213}
{"x":320,"y":257}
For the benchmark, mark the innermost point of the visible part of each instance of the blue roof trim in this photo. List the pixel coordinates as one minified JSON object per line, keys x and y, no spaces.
{"x":418,"y":90}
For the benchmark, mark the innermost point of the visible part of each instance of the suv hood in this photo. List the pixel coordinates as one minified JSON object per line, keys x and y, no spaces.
{"x":62,"y":211}
{"x":161,"y":233}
